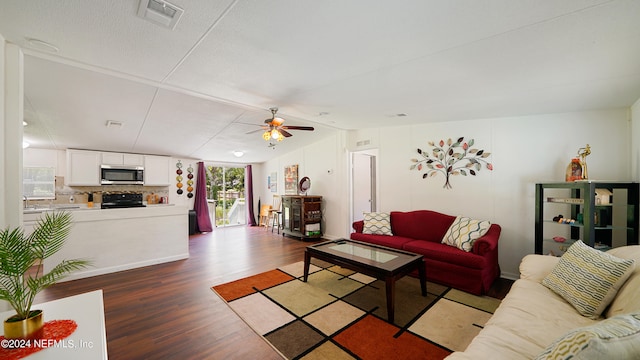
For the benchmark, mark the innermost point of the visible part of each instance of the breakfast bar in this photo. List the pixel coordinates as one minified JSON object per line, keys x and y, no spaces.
{"x":122,"y":239}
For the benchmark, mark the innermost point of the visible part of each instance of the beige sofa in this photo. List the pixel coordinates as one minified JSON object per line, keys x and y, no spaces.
{"x":532,"y":317}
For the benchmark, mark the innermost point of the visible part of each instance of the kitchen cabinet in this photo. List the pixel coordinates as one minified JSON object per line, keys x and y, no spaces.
{"x":83,"y":168}
{"x":111,"y":158}
{"x":157,"y":170}
{"x":302,"y":216}
{"x":604,"y":214}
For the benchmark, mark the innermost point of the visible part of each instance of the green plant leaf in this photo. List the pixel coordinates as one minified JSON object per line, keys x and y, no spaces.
{"x":18,"y":253}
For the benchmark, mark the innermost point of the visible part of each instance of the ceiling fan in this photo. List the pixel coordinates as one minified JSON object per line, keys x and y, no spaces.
{"x":274,"y":130}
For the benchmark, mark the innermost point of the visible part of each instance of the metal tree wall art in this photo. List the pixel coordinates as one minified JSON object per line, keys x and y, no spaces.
{"x":458,"y":158}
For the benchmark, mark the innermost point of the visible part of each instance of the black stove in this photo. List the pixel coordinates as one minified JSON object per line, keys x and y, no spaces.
{"x":118,"y":201}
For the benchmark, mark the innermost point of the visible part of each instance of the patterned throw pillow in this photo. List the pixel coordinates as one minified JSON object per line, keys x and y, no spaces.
{"x":377,"y":223}
{"x":588,"y":278}
{"x":464,"y":231}
{"x":614,"y":338}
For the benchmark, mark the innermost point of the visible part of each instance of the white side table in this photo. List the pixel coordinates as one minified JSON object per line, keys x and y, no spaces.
{"x":88,"y":341}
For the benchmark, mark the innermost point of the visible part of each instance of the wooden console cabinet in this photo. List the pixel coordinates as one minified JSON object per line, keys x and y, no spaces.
{"x":302,"y":216}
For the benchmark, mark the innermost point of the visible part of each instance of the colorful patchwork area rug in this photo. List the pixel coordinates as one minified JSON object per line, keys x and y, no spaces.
{"x":341,"y":314}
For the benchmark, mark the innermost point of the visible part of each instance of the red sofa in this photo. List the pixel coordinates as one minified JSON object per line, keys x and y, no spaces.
{"x":421,"y":232}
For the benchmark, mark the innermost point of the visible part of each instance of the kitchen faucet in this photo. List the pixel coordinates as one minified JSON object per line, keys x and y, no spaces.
{"x":26,"y":201}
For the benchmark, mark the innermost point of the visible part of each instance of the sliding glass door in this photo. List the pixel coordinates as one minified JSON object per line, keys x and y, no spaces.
{"x":225,"y":194}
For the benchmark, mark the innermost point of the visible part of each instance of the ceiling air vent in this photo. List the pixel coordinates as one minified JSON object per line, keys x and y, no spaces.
{"x":160,"y":12}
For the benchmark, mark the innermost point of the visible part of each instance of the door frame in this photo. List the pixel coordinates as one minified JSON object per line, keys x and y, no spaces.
{"x":373,"y":153}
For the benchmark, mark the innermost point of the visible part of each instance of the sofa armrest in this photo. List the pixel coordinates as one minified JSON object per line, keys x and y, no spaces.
{"x":536,"y":267}
{"x":488,"y":243}
{"x":358,"y":226}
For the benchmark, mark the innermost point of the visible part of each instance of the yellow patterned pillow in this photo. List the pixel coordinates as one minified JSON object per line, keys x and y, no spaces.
{"x":614,"y":338}
{"x":588,"y":279}
{"x":464,"y":231}
{"x":377,"y":223}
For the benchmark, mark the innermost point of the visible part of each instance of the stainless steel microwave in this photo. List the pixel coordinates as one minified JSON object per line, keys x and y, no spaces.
{"x":124,"y":175}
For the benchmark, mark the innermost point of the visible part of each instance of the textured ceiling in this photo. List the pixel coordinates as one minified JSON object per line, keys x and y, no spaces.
{"x":196,"y":90}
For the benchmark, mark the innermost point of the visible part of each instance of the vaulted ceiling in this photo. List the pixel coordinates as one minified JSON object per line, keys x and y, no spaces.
{"x":196,"y":90}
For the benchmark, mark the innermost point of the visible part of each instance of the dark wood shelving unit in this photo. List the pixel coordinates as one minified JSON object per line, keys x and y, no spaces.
{"x":302,"y":216}
{"x":600,"y":223}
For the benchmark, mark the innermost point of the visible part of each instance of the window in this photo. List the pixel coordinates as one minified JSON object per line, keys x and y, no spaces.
{"x":39,"y":182}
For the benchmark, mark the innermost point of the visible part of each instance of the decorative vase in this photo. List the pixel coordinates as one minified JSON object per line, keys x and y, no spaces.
{"x":574,"y":170}
{"x":29,"y":328}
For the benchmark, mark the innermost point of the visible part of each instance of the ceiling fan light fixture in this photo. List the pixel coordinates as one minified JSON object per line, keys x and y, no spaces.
{"x":266,"y":135}
{"x":275,"y":134}
{"x":238,"y":153}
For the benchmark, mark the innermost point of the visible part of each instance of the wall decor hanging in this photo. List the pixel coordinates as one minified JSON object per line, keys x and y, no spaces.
{"x":179,"y":177}
{"x":457,"y":158}
{"x":190,"y":182}
{"x":291,"y":180}
{"x":273,"y":182}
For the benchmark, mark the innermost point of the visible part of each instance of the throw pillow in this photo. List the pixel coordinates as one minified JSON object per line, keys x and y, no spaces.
{"x":464,"y":231}
{"x":588,"y":278}
{"x":377,"y":223}
{"x":614,"y":338}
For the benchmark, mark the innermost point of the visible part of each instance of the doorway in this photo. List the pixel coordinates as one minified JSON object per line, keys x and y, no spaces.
{"x":225,"y":195}
{"x":364,"y":184}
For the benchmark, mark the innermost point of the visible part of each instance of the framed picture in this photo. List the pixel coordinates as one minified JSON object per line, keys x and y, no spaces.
{"x":291,"y":180}
{"x":273,"y":182}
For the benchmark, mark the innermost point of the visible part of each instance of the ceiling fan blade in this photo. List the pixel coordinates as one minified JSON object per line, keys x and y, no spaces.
{"x":308,"y":128}
{"x":285,"y":133}
{"x":262,"y":128}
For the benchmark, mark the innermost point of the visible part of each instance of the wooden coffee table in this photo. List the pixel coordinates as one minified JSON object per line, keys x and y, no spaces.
{"x":380,"y":262}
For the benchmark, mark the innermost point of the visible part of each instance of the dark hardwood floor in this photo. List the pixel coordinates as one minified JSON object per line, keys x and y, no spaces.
{"x":168,"y":311}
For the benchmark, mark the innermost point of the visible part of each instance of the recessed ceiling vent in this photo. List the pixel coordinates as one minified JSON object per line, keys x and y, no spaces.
{"x":160,"y":12}
{"x":113,"y":124}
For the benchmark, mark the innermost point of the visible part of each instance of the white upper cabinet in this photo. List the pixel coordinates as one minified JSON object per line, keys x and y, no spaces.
{"x":133,"y":159}
{"x":157,"y":170}
{"x":111,"y":158}
{"x":83,"y":168}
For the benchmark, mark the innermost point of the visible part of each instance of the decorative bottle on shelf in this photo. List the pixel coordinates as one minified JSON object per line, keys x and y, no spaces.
{"x":574,"y":170}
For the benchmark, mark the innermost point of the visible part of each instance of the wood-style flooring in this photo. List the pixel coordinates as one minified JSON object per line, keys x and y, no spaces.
{"x":168,"y":311}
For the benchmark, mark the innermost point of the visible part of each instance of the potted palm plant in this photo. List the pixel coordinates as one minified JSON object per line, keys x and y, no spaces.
{"x":22,"y":275}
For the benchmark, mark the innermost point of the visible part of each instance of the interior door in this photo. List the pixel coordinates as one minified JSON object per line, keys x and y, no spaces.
{"x":363,"y":185}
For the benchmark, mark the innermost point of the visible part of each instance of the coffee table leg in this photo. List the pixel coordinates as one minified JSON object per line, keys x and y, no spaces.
{"x":422,"y":272}
{"x":391,"y":297}
{"x":307,"y":261}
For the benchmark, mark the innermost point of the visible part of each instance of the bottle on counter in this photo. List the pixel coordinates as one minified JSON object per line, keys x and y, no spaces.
{"x":90,"y":200}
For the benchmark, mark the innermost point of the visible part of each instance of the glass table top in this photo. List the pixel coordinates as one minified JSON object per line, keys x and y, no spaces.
{"x":366,"y":252}
{"x":374,"y":255}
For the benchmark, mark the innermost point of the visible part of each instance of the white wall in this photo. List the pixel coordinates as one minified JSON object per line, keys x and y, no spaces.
{"x":324,"y":163}
{"x":12,"y":95}
{"x":635,"y":141}
{"x":524,"y":151}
